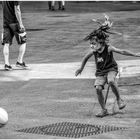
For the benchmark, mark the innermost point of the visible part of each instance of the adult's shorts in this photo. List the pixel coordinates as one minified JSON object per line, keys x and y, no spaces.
{"x":11,"y":30}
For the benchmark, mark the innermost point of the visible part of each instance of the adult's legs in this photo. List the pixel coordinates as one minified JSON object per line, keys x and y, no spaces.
{"x":7,"y":65}
{"x":49,"y":5}
{"x":63,"y":5}
{"x":53,"y":5}
{"x":6,"y":53}
{"x":22,"y":50}
{"x":20,"y":63}
{"x":6,"y":42}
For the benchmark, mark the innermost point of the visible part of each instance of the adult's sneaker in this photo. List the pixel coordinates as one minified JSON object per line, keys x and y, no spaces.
{"x":121,"y":104}
{"x":21,"y":65}
{"x":7,"y":67}
{"x":52,"y":8}
{"x":63,"y":8}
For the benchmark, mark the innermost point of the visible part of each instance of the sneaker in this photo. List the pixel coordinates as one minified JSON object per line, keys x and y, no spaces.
{"x":59,"y":8}
{"x":7,"y":67}
{"x":52,"y":8}
{"x":121,"y":104}
{"x":21,"y":65}
{"x":63,"y":8}
{"x":102,"y":114}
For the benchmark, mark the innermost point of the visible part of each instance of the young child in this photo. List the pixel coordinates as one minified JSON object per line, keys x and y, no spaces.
{"x":106,"y":66}
{"x":13,"y":26}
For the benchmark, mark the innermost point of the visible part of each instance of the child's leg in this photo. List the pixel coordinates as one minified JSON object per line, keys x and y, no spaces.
{"x":99,"y":85}
{"x":53,"y":2}
{"x":21,"y":40}
{"x":111,"y":77}
{"x":100,"y":97}
{"x":113,"y":83}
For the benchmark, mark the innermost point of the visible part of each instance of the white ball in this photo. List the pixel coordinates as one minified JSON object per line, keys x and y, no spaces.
{"x":3,"y":116}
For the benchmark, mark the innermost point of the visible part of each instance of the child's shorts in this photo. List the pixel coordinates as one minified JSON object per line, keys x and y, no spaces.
{"x":102,"y":80}
{"x":10,"y":31}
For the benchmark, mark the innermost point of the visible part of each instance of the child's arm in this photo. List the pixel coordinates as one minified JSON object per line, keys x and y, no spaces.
{"x":114,"y":32}
{"x":84,"y":61}
{"x":123,"y":52}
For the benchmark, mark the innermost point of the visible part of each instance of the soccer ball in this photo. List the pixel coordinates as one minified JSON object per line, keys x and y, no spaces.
{"x":3,"y":116}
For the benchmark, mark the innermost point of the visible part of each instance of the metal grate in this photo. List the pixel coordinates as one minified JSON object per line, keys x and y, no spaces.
{"x":70,"y":129}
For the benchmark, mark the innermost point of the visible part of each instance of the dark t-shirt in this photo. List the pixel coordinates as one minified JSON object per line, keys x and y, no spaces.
{"x":105,"y":62}
{"x":9,"y":11}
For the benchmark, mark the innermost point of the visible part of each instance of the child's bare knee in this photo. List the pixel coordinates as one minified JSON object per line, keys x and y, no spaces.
{"x":111,"y":82}
{"x":99,"y":89}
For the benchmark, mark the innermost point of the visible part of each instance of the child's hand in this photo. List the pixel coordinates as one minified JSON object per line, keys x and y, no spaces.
{"x":78,"y":72}
{"x":137,"y":54}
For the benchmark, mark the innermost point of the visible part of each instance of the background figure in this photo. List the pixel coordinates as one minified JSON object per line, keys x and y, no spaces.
{"x":49,"y":5}
{"x":61,"y":5}
{"x":13,"y":26}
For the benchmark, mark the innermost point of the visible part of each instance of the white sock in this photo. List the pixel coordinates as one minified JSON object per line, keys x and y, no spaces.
{"x":6,"y":53}
{"x":22,"y":50}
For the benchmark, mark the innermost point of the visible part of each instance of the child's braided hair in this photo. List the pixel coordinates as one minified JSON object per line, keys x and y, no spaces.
{"x":101,"y":34}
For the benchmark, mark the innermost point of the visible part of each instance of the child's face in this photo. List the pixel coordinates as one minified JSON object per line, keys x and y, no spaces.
{"x":95,"y":45}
